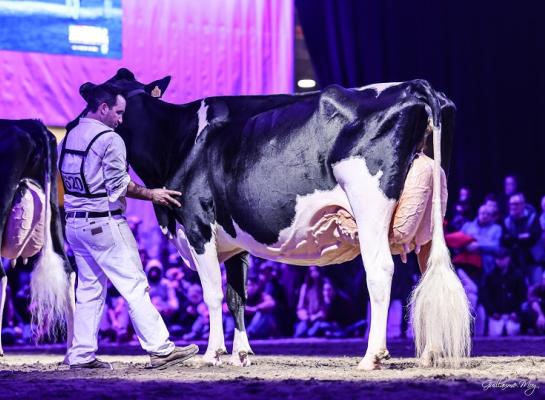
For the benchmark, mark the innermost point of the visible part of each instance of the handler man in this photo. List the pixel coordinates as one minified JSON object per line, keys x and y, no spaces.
{"x":93,"y":168}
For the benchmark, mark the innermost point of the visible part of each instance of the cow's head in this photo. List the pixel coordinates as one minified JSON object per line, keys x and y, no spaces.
{"x":130,"y":87}
{"x":142,"y":121}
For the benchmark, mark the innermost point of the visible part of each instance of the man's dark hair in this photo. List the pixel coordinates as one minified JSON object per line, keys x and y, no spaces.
{"x":95,"y":95}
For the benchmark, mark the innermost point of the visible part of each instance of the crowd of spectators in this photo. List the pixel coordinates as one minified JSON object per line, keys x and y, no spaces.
{"x":499,"y":255}
{"x":498,"y":250}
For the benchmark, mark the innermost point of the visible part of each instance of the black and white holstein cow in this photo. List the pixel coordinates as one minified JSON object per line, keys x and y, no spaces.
{"x":30,"y":223}
{"x":310,"y":179}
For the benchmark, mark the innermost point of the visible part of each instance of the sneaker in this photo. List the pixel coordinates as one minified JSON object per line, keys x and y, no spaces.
{"x":95,"y":364}
{"x":178,"y":355}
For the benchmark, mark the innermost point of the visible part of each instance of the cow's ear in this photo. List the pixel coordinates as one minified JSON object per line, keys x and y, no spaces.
{"x":86,"y":89}
{"x":124,"y":73}
{"x":157,"y":88}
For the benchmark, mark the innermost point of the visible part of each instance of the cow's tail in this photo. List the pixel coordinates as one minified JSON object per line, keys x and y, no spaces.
{"x":49,"y":280}
{"x":439,"y":306}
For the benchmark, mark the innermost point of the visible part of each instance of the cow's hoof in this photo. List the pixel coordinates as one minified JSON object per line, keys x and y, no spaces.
{"x":430,"y":358}
{"x":214,"y":358}
{"x":370,"y":363}
{"x":241,"y":359}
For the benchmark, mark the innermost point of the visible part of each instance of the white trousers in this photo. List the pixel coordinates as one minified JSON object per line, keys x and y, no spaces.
{"x":105,"y":248}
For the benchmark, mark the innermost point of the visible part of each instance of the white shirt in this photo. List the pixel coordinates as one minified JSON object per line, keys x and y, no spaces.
{"x":105,"y":167}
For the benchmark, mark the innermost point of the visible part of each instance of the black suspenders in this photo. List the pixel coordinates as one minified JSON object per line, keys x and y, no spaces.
{"x":75,"y":183}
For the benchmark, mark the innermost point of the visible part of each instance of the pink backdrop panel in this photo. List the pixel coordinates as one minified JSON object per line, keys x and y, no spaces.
{"x":210,"y":47}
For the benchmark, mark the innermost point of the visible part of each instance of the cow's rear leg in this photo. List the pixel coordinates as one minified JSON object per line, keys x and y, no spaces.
{"x":373,"y":213}
{"x":3,"y":286}
{"x":210,"y":275}
{"x":423,"y":256}
{"x":237,"y":272}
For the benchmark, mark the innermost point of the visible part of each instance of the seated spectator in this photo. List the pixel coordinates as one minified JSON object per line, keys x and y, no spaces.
{"x":161,"y":290}
{"x":538,"y":251}
{"x":311,"y":302}
{"x":144,"y":255}
{"x":503,"y":295}
{"x":510,"y":188}
{"x":115,"y":325}
{"x":195,"y":318}
{"x":12,"y":328}
{"x":269,"y":280}
{"x":338,"y":313}
{"x":134,"y":222}
{"x":487,"y":237}
{"x":177,"y":281}
{"x":175,"y":276}
{"x":521,"y":231}
{"x":492,"y":203}
{"x":533,"y":311}
{"x":463,"y":211}
{"x":259,"y":316}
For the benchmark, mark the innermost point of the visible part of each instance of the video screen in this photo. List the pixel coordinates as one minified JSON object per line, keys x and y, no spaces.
{"x":74,"y":27}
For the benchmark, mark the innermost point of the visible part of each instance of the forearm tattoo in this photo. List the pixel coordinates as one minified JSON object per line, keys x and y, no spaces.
{"x":136,"y":191}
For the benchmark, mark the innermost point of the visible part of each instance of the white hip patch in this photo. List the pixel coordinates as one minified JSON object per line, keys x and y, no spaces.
{"x":378,"y":87}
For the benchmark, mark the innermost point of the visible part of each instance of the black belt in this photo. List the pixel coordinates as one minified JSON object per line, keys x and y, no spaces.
{"x":92,"y":214}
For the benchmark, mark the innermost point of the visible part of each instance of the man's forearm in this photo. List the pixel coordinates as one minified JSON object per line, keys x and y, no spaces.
{"x":135,"y":191}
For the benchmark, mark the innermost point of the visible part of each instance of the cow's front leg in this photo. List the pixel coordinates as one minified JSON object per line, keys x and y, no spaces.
{"x":373,"y":213}
{"x":210,"y":274}
{"x":3,"y":286}
{"x":237,"y":272}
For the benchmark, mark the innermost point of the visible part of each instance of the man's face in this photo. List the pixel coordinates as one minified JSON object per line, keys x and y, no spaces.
{"x":464,"y":194}
{"x":328,"y":292}
{"x":510,"y":185}
{"x":112,"y":117}
{"x":492,"y":206}
{"x":516,"y":206}
{"x":485,"y":216}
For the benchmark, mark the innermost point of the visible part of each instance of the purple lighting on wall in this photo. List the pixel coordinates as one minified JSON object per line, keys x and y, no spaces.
{"x":210,"y":47}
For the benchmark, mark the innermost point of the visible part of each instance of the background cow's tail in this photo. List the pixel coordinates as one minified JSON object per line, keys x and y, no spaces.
{"x":439,"y":307}
{"x":49,"y":281}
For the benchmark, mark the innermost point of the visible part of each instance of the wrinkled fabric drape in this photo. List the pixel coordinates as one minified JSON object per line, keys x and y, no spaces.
{"x":488,"y":57}
{"x":210,"y":47}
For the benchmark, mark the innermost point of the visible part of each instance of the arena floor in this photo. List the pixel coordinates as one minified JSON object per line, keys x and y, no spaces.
{"x":283,"y":369}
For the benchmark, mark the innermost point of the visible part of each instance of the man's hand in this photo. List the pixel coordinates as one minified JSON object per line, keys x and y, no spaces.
{"x":161,"y":197}
{"x":165,"y":197}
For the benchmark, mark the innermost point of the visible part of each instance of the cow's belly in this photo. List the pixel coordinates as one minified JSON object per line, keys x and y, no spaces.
{"x":323,"y":232}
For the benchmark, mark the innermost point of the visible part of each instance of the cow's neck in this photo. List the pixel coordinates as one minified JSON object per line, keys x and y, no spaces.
{"x":161,"y":138}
